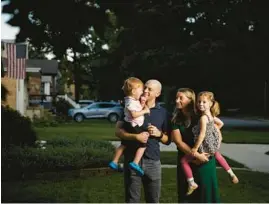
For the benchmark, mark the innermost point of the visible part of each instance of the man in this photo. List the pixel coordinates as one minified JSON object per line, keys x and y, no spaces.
{"x":156,"y":127}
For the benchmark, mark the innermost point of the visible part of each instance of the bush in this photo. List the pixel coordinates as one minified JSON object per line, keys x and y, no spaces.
{"x":59,"y":155}
{"x":16,"y":129}
{"x":45,"y":122}
{"x":62,"y":107}
{"x":50,"y":119}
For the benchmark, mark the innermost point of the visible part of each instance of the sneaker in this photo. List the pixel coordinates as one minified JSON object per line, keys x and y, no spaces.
{"x":191,"y":189}
{"x":113,"y":165}
{"x":136,"y":168}
{"x":234,"y":179}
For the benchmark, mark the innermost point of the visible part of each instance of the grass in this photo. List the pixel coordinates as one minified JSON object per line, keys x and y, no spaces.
{"x":104,"y":130}
{"x":245,"y":137}
{"x":253,"y":187}
{"x":91,"y":129}
{"x":171,"y":158}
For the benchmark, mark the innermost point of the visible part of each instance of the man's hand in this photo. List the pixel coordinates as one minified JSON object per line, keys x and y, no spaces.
{"x":154,"y":131}
{"x":142,"y":137}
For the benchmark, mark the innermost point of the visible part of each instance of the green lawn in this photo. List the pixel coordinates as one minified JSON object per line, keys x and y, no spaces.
{"x":253,"y":187}
{"x":171,"y":158}
{"x":92,"y":129}
{"x":246,"y":137}
{"x":103,"y":130}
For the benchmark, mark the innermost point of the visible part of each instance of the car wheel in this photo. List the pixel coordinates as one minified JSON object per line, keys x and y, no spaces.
{"x":113,"y":117}
{"x":79,"y":117}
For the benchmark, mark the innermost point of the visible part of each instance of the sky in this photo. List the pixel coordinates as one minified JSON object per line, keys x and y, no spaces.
{"x":7,"y":32}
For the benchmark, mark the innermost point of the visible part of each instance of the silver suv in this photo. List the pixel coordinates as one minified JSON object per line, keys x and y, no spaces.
{"x":110,"y":110}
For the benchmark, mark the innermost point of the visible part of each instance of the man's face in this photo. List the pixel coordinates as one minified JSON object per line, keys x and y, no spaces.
{"x":151,"y":91}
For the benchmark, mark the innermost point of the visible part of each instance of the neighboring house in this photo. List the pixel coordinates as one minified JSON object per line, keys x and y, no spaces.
{"x":45,"y":81}
{"x":41,"y":76}
{"x":17,"y":97}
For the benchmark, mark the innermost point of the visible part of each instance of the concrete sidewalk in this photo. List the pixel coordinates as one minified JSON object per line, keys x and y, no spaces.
{"x":251,"y":155}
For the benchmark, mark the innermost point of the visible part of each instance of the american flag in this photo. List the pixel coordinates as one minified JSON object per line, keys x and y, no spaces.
{"x":16,"y":60}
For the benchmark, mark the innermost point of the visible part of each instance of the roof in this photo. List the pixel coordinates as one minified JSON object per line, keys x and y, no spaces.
{"x":48,"y":67}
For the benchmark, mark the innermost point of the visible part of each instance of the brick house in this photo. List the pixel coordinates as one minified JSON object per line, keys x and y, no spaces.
{"x":41,"y":77}
{"x":43,"y":81}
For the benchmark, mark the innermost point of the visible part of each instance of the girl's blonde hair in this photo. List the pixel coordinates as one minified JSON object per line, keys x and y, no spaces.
{"x":178,"y":116}
{"x":130,"y":84}
{"x":215,"y":108}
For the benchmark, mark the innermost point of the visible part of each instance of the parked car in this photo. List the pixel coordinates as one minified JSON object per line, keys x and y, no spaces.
{"x":84,"y":103}
{"x":109,"y":110}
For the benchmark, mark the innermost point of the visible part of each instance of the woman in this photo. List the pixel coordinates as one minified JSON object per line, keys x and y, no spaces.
{"x":204,"y":169}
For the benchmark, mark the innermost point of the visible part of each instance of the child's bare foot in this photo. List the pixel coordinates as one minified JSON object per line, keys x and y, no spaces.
{"x":192,"y":188}
{"x":234,"y":179}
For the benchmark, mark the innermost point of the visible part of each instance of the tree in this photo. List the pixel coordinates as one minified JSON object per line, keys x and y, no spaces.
{"x":208,"y":40}
{"x":53,"y":27}
{"x":218,"y":44}
{"x":35,"y":52}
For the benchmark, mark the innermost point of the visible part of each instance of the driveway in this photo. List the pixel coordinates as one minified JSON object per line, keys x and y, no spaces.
{"x":251,"y":155}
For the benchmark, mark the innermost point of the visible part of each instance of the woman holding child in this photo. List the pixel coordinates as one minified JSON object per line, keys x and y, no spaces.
{"x":204,"y":169}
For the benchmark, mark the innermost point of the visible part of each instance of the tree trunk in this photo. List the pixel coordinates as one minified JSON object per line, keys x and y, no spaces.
{"x":76,"y":78}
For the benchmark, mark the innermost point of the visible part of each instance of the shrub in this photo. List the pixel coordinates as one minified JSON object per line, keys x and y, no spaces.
{"x":59,"y":155}
{"x":45,"y":122}
{"x":16,"y":129}
{"x":62,"y":107}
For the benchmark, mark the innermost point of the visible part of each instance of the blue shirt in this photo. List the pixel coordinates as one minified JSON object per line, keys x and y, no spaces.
{"x":158,"y":117}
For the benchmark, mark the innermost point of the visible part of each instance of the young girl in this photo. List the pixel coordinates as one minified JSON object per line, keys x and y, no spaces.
{"x":134,"y":118}
{"x":207,"y":137}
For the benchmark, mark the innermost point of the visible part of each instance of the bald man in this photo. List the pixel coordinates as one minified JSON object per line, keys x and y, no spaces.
{"x":157,"y":129}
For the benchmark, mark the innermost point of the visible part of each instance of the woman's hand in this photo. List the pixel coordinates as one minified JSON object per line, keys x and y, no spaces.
{"x":194,"y":151}
{"x":202,"y":157}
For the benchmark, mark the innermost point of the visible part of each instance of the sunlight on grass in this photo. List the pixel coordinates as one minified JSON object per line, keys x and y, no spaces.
{"x":247,"y":137}
{"x":104,"y":130}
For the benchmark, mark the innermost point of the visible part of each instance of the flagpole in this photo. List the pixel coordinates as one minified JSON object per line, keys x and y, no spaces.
{"x":21,"y":86}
